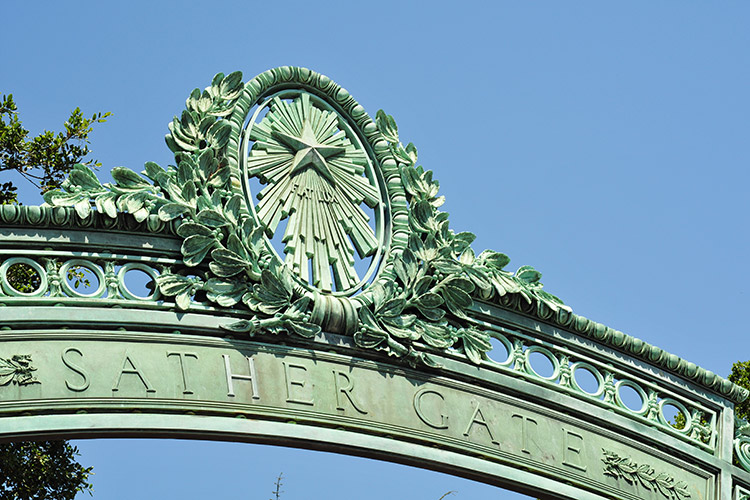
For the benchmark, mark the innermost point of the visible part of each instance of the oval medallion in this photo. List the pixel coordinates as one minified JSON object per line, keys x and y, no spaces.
{"x":320,"y":197}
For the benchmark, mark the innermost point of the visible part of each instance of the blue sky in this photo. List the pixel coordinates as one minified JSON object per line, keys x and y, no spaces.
{"x":604,"y":143}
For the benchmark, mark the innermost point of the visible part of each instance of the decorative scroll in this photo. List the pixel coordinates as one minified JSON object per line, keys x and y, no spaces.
{"x":643,"y":474}
{"x":742,"y":442}
{"x":17,"y":370}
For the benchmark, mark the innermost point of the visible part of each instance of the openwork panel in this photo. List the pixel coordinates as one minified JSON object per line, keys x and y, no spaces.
{"x":49,"y":276}
{"x":291,"y":217}
{"x":603,"y":384}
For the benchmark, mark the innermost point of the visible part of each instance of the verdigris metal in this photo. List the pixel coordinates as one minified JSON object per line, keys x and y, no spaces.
{"x":342,"y":250}
{"x":95,"y":379}
{"x":642,"y":474}
{"x":313,"y":154}
{"x":17,"y":370}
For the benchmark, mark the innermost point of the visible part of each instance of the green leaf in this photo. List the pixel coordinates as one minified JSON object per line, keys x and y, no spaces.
{"x":429,"y":301}
{"x":423,"y":285}
{"x":420,"y":215}
{"x":411,"y":150}
{"x":480,"y":278}
{"x":457,"y":296}
{"x":83,"y":207}
{"x":195,"y":248}
{"x":232,"y":209}
{"x":494,"y":260}
{"x":235,"y":245}
{"x":211,"y":218}
{"x":218,"y":134}
{"x":84,"y":177}
{"x":220,"y":177}
{"x":476,"y":343}
{"x":228,"y":257}
{"x":241,"y":326}
{"x":300,"y":307}
{"x":187,"y":229}
{"x":171,"y":211}
{"x":432,"y":314}
{"x":182,"y":300}
{"x":223,"y":287}
{"x":204,"y":102}
{"x":302,"y":328}
{"x":58,"y":198}
{"x":402,"y":333}
{"x":460,"y":282}
{"x":189,"y":193}
{"x":185,"y":172}
{"x":273,"y":286}
{"x":467,"y":257}
{"x":172,"y":284}
{"x":393,"y":307}
{"x":367,"y":318}
{"x":223,"y":292}
{"x":447,"y":266}
{"x":105,"y":203}
{"x":466,"y":237}
{"x":528,"y":274}
{"x":402,"y":155}
{"x":231,"y":86}
{"x":370,"y":339}
{"x":218,"y":77}
{"x":207,"y":162}
{"x":405,"y":266}
{"x":439,"y":336}
{"x":141,"y":214}
{"x":387,"y":126}
{"x":132,"y":202}
{"x":411,"y":180}
{"x":227,"y":263}
{"x":128,"y":179}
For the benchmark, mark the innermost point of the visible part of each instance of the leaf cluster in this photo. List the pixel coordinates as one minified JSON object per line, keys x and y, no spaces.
{"x":740,"y":375}
{"x":47,"y":158}
{"x":214,"y":225}
{"x":45,"y":470}
{"x":644,"y":475}
{"x":436,"y":276}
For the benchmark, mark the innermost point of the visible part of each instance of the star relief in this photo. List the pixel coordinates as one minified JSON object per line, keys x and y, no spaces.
{"x":315,"y":179}
{"x":309,"y":152}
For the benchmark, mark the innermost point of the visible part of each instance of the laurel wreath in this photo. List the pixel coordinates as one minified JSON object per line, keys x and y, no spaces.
{"x":420,"y":303}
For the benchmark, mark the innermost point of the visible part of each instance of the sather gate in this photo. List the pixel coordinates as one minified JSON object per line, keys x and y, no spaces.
{"x":306,"y":290}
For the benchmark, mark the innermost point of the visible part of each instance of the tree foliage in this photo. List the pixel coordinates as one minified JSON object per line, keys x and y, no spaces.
{"x":741,"y":376}
{"x":44,"y":469}
{"x":46,"y":159}
{"x":41,"y":470}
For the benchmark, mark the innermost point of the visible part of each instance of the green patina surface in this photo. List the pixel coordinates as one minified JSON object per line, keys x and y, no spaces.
{"x":107,"y":372}
{"x":430,"y":276}
{"x":374,"y":290}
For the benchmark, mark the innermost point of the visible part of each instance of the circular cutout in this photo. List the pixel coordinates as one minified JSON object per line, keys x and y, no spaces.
{"x":631,"y":397}
{"x":587,"y":378}
{"x":138,"y":282}
{"x":78,"y":275}
{"x":321,"y":200}
{"x":674,"y":414}
{"x":542,"y":363}
{"x":501,"y":349}
{"x":22,"y":277}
